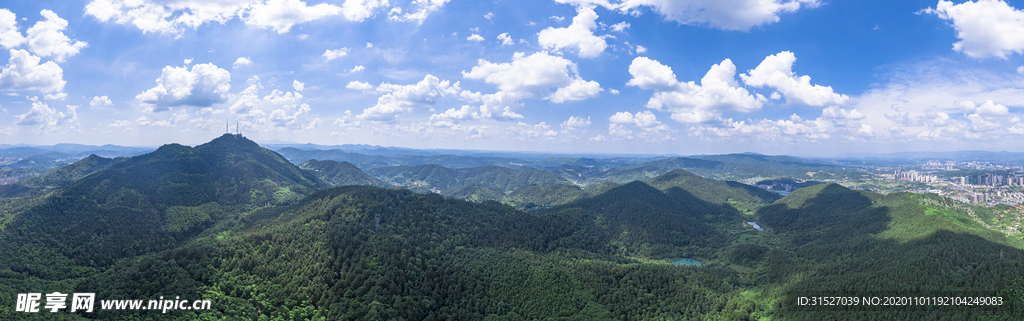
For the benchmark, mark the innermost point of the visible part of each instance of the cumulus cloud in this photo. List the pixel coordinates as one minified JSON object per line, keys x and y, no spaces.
{"x":277,"y":110}
{"x":579,"y":35}
{"x":202,"y":86}
{"x":794,"y":129}
{"x":576,"y":123}
{"x":986,"y":28}
{"x":335,"y":54}
{"x":729,"y":15}
{"x":688,"y":102}
{"x":423,"y":9}
{"x":298,"y":86}
{"x":945,"y":104}
{"x":526,"y":131}
{"x":10,"y":37}
{"x":776,"y":71}
{"x":24,"y":72}
{"x":359,"y":10}
{"x":357,"y":68}
{"x":620,"y":27}
{"x":475,"y":37}
{"x":175,"y":16}
{"x":358,"y":85}
{"x":505,"y":39}
{"x":400,"y":99}
{"x":45,"y":117}
{"x":46,"y":38}
{"x":281,"y":15}
{"x":241,"y":62}
{"x":55,"y":96}
{"x":533,"y":76}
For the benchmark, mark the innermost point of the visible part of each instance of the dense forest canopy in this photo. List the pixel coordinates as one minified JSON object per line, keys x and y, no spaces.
{"x":261,"y":238}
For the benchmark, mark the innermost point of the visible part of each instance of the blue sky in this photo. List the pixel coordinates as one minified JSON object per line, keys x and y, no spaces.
{"x":799,"y":77}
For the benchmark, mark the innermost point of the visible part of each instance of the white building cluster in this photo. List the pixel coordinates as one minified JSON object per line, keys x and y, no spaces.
{"x":914,"y":176}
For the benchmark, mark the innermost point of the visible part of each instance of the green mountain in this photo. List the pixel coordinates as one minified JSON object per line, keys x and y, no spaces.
{"x":59,"y":178}
{"x":425,"y":178}
{"x":238,"y":225}
{"x":150,"y":202}
{"x":341,"y":173}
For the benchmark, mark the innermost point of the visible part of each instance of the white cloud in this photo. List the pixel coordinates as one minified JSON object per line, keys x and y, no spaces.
{"x":776,"y":71}
{"x":400,"y":99}
{"x":46,"y":38}
{"x":47,"y":118}
{"x":988,"y":108}
{"x":641,"y":49}
{"x":241,"y":62}
{"x":335,"y":54}
{"x":934,"y":102}
{"x":120,"y":123}
{"x":348,"y":120}
{"x":1020,"y":70}
{"x":525,"y":131}
{"x":450,"y":117}
{"x":794,"y":129}
{"x":691,"y":103}
{"x":489,"y":15}
{"x":357,"y":68}
{"x":100,"y":101}
{"x":642,"y":119}
{"x":729,"y":15}
{"x":620,"y":27}
{"x":986,"y":28}
{"x":598,"y":138}
{"x":278,"y":110}
{"x":839,"y":113}
{"x":614,"y":91}
{"x":578,"y":35}
{"x":55,"y":96}
{"x":298,"y":86}
{"x":423,"y":9}
{"x":533,"y":76}
{"x":359,"y":10}
{"x":24,"y":72}
{"x":505,"y":39}
{"x":175,"y":16}
{"x":204,"y":85}
{"x":358,"y":85}
{"x":10,"y":37}
{"x":576,"y":123}
{"x":281,"y":15}
{"x":475,"y":37}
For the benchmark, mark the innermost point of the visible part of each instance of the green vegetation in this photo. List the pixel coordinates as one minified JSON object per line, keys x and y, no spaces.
{"x":341,"y":173}
{"x":263,"y":239}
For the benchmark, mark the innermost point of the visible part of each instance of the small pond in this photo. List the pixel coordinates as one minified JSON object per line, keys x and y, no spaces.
{"x":685,"y":261}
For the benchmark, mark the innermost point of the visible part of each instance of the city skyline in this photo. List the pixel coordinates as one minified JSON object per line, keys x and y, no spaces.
{"x":796,"y":77}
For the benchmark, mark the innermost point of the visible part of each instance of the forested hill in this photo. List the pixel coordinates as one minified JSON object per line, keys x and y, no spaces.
{"x":152,"y":202}
{"x":341,"y":173}
{"x":424,"y":178}
{"x":61,"y":177}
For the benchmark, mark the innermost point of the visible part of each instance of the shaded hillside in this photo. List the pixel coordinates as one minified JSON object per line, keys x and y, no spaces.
{"x":714,"y":191}
{"x":153,"y":201}
{"x":59,"y":178}
{"x":341,"y":173}
{"x":431,"y":258}
{"x":531,"y":196}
